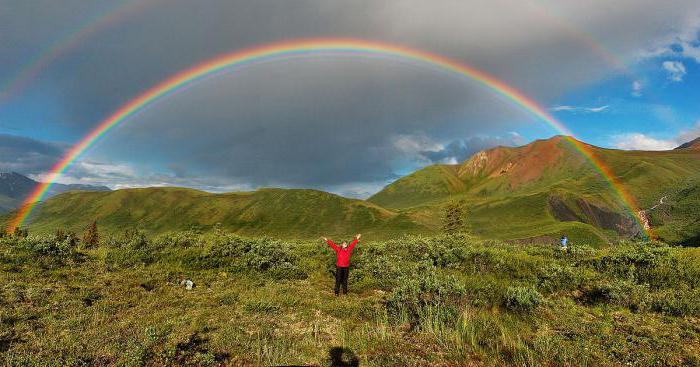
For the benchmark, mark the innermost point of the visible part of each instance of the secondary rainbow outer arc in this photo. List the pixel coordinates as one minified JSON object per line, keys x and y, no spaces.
{"x":74,"y":39}
{"x":300,"y":47}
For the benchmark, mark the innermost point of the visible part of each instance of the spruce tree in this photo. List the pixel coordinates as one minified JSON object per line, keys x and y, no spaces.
{"x":453,"y":220}
{"x":91,"y":237}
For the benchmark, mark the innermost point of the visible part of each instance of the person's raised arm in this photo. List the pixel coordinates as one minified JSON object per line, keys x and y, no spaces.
{"x":354,"y":242}
{"x":331,"y":244}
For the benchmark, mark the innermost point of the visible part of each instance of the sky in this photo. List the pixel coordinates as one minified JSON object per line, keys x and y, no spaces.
{"x":622,"y":74}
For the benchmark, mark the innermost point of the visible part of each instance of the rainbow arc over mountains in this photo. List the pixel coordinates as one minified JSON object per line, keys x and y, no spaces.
{"x":310,"y":47}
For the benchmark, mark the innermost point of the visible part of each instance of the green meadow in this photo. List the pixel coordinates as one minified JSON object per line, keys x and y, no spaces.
{"x":443,"y":300}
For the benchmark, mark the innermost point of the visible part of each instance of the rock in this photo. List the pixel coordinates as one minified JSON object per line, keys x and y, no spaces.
{"x":188,"y":284}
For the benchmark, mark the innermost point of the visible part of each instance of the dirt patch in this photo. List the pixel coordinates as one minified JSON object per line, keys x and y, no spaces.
{"x":560,"y":211}
{"x":607,"y":219}
{"x":594,"y":215}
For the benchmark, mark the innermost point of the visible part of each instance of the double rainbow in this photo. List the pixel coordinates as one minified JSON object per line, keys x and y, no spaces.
{"x":31,"y":71}
{"x":294,"y":48}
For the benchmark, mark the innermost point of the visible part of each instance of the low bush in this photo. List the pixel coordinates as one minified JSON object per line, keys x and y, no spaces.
{"x":520,"y":298}
{"x":555,"y":277}
{"x":619,"y":292}
{"x":429,"y":290}
{"x":677,"y":302}
{"x":380,"y":271}
{"x":132,"y":249}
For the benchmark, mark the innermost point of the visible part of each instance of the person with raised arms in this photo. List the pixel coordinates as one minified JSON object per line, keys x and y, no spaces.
{"x":342,"y":263}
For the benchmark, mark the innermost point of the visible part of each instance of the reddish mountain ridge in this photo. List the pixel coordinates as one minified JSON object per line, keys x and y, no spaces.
{"x":691,"y":145}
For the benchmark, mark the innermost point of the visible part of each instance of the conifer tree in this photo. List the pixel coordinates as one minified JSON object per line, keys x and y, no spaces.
{"x":91,"y":237}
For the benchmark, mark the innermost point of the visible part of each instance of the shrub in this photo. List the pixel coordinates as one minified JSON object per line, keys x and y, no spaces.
{"x":179,"y":240}
{"x":47,"y":246}
{"x":580,"y":251}
{"x":132,"y":249}
{"x":554,"y":277}
{"x":265,"y":254}
{"x":221,"y":251}
{"x":522,"y":298}
{"x":447,"y":251}
{"x":637,"y":262}
{"x":677,"y":302}
{"x":621,"y":293}
{"x":380,"y":271}
{"x":427,"y":290}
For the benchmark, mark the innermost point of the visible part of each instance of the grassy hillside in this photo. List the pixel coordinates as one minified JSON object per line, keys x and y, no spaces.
{"x":428,"y":184}
{"x":677,"y":216}
{"x":274,"y":212}
{"x":544,"y":189}
{"x":539,"y":191}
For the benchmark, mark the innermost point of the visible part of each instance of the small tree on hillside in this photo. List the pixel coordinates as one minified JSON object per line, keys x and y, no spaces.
{"x":21,"y":233}
{"x":60,"y":235}
{"x":91,"y":237}
{"x":453,"y":217}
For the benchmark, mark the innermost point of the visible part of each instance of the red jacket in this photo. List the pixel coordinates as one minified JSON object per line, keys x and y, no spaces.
{"x":343,"y":256}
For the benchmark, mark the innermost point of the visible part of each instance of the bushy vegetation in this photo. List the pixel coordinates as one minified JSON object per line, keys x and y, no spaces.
{"x":444,"y":300}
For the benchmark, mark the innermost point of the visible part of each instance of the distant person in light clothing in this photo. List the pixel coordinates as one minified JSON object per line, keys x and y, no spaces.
{"x":564,"y":242}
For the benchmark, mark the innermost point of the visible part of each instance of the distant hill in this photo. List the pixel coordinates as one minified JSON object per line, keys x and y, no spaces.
{"x":274,"y":212}
{"x":694,"y":144}
{"x":14,"y":188}
{"x":535,"y":192}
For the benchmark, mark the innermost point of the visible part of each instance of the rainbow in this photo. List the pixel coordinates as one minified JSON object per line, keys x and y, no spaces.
{"x":118,"y":11}
{"x":183,"y":79}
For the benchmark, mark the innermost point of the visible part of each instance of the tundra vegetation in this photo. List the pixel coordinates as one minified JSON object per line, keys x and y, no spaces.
{"x":444,"y":300}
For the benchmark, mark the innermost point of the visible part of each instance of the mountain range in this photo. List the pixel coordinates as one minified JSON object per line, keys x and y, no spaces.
{"x":14,"y":188}
{"x":535,"y":192}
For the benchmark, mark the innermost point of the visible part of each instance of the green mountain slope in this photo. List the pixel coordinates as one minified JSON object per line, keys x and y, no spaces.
{"x":545,"y":189}
{"x":274,"y":212}
{"x":431,"y":183}
{"x":676,"y":216}
{"x":535,"y":192}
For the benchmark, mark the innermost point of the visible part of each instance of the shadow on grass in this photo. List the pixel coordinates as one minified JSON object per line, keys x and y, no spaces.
{"x":342,"y":357}
{"x":338,"y":357}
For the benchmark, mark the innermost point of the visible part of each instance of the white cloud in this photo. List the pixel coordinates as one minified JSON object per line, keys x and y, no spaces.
{"x":639,"y":141}
{"x":637,"y":87}
{"x":684,"y":43}
{"x":577,"y":109}
{"x":676,"y":70}
{"x":413,"y":144}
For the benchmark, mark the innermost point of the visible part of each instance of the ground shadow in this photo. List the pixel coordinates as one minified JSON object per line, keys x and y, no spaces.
{"x":342,"y":357}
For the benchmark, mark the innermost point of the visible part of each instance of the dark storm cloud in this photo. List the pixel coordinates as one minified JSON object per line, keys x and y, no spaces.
{"x":339,"y":130}
{"x":26,"y":156}
{"x":318,"y":122}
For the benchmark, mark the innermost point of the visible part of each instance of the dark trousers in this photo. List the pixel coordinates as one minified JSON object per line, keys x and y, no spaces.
{"x":341,"y":277}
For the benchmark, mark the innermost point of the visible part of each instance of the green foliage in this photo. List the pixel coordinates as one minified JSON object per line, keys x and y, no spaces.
{"x":453,"y":217}
{"x":683,"y":302}
{"x":619,"y":292}
{"x":431,"y":291}
{"x":415,"y":300}
{"x":132,"y":249}
{"x":522,"y":298}
{"x":556,"y":277}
